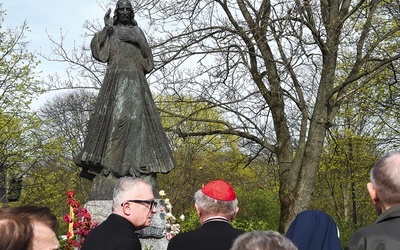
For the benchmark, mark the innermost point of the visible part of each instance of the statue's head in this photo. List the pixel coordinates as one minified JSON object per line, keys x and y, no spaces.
{"x":124,"y":13}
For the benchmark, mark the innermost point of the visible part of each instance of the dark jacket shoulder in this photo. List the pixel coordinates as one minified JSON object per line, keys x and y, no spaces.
{"x":114,"y":233}
{"x":383,"y":234}
{"x":213,"y":235}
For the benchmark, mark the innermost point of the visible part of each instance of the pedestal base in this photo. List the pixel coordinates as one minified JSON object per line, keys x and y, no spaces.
{"x":99,"y":209}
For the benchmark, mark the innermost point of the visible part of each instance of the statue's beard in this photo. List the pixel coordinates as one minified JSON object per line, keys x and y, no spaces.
{"x":124,"y":19}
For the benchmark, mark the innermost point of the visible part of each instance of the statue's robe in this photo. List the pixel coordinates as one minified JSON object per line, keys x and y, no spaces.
{"x":125,"y":135}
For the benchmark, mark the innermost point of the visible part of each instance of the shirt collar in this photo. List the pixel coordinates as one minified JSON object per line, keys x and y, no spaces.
{"x":216,"y":218}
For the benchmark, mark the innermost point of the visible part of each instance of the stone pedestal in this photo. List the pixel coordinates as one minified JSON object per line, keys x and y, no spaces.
{"x":154,"y":244}
{"x":99,"y":210}
{"x":151,"y":238}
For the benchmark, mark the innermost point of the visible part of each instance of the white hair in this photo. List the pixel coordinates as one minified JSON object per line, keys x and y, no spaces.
{"x":386,"y":178}
{"x":125,"y":187}
{"x":212,"y":206}
{"x":262,"y":240}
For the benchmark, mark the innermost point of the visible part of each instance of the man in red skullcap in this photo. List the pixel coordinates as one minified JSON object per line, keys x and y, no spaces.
{"x":216,"y":206}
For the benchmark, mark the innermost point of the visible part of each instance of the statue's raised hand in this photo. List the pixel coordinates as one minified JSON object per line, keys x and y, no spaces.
{"x":107,"y":20}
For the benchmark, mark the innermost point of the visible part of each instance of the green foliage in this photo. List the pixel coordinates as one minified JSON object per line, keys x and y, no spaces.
{"x":366,"y":126}
{"x":37,"y":156}
{"x":199,"y":159}
{"x":346,"y":230}
{"x":21,"y":146}
{"x":63,"y":243}
{"x":17,"y":88}
{"x":27,"y":147}
{"x":349,"y":154}
{"x":18,"y":85}
{"x":204,"y":158}
{"x":191,"y":221}
{"x":47,"y":185}
{"x":259,"y":209}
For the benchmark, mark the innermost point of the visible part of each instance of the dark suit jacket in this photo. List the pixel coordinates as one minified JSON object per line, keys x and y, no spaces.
{"x":212,"y":235}
{"x":383,"y":234}
{"x":114,"y":233}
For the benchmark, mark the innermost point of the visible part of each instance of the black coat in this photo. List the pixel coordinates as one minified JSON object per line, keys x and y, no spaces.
{"x":115,"y":233}
{"x":212,"y":235}
{"x":383,"y":234}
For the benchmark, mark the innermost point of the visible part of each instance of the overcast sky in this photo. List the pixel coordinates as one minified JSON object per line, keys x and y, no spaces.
{"x":51,"y":16}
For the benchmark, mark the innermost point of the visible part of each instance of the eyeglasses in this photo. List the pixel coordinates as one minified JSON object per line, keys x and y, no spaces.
{"x":151,"y":203}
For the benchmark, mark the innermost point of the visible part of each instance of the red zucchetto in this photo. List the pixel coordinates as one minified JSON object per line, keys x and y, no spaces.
{"x":219,"y":190}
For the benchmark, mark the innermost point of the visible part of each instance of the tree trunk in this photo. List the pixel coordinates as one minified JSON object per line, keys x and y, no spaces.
{"x":296,"y":192}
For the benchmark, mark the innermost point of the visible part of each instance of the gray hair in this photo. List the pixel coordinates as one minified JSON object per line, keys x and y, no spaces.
{"x":386,"y":178}
{"x":210,"y":206}
{"x":125,"y":186}
{"x":262,"y":240}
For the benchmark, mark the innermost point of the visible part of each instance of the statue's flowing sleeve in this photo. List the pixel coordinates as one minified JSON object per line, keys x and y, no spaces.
{"x":100,"y":45}
{"x":147,"y":59}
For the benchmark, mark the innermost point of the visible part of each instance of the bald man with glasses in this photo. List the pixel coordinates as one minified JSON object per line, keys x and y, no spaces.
{"x":133,"y":209}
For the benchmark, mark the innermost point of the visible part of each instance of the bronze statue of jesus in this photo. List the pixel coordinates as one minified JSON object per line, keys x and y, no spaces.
{"x":125,"y":135}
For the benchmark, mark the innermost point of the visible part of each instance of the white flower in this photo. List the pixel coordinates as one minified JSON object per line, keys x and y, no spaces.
{"x":171,"y":227}
{"x":175,"y":228}
{"x":182,"y":217}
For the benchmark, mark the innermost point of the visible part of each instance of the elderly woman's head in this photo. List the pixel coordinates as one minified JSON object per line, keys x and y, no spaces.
{"x":262,"y":240}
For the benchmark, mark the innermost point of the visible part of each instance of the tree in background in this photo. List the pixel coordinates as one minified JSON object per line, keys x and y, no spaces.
{"x":278,"y":71}
{"x":19,"y":137}
{"x":36,"y":150}
{"x":365,"y":128}
{"x":211,"y":157}
{"x":341,"y":182}
{"x":65,"y":118}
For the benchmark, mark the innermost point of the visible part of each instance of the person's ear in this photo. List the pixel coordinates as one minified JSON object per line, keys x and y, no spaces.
{"x":373,"y":193}
{"x":197,"y":209}
{"x":236,"y":212}
{"x":126,"y":208}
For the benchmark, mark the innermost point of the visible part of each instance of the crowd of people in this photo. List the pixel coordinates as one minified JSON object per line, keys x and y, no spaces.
{"x":34,"y":228}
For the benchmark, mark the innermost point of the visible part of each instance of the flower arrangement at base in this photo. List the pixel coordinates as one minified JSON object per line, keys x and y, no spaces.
{"x":172,"y":227}
{"x":79,"y":223}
